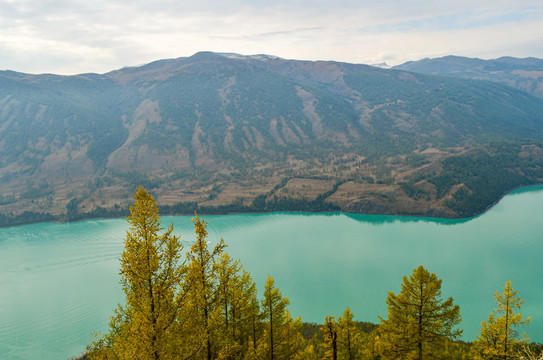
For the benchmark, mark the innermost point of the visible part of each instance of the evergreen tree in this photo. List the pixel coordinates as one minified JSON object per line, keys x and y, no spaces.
{"x":151,"y":272}
{"x":419,"y":321}
{"x":499,"y":338}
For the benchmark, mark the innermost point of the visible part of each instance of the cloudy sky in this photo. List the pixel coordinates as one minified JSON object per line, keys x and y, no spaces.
{"x":77,"y":36}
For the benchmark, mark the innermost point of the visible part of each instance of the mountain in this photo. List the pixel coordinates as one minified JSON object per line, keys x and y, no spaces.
{"x":523,"y":74}
{"x":226,"y":132}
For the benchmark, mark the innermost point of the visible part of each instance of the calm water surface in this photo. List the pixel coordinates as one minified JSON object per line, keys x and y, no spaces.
{"x":59,"y":282}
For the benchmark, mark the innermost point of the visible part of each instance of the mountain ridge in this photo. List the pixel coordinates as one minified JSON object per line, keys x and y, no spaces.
{"x":525,"y":74}
{"x":220,"y":129}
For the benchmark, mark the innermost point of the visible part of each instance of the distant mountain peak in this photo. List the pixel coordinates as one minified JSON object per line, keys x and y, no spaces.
{"x":382,"y":65}
{"x":257,"y":56}
{"x":523,"y":74}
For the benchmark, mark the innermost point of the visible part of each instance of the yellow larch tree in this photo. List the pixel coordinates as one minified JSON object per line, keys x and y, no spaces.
{"x":275,"y":343}
{"x":294,"y":346}
{"x":350,"y":339}
{"x":499,"y":337}
{"x":151,"y":274}
{"x":237,"y":295}
{"x":202,"y":292}
{"x":329,"y":333}
{"x":419,"y":321}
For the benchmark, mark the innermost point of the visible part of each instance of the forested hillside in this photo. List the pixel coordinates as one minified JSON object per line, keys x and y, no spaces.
{"x":227,"y":133}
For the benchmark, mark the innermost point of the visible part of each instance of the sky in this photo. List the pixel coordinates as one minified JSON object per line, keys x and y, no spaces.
{"x":80,"y":36}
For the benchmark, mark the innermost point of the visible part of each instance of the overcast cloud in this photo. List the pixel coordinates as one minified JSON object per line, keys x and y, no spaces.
{"x":76,"y":36}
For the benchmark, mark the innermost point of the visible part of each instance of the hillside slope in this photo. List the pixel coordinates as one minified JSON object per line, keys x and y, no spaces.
{"x":260,"y":133}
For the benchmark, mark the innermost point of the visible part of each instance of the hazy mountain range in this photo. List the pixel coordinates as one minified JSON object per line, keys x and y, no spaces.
{"x":217,"y":129}
{"x":523,"y":74}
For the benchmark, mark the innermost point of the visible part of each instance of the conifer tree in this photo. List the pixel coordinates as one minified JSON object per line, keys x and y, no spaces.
{"x":329,"y":333}
{"x":202,"y":292}
{"x":373,"y":344}
{"x":237,"y":296}
{"x":350,"y":338}
{"x":419,"y":321}
{"x":294,"y":345}
{"x":499,"y":338}
{"x":246,"y":315}
{"x":151,"y":272}
{"x":274,"y":313}
{"x":256,"y":329}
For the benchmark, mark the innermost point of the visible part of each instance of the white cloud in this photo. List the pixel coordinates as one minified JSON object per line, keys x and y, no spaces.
{"x":74,"y":36}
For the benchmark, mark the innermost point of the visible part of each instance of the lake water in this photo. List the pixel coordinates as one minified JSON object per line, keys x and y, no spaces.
{"x":59,"y":282}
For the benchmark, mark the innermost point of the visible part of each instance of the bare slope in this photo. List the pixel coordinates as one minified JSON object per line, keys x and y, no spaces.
{"x":222,"y":129}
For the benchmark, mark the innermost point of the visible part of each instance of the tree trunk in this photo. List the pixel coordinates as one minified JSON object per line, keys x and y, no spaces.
{"x":420,"y":320}
{"x":154,"y":349}
{"x":334,"y":345}
{"x":271,"y":331}
{"x":506,"y":326}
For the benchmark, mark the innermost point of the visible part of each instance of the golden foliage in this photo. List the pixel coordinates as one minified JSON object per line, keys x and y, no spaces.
{"x":419,"y":321}
{"x":499,"y":337}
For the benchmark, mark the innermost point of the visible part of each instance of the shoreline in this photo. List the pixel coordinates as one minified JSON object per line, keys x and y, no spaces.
{"x":124,"y":212}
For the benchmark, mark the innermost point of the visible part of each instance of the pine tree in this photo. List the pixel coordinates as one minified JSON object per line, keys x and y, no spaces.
{"x":419,"y":321}
{"x":151,"y":272}
{"x":499,"y":338}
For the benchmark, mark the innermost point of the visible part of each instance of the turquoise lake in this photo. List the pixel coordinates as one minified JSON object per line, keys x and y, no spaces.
{"x":59,"y":282}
